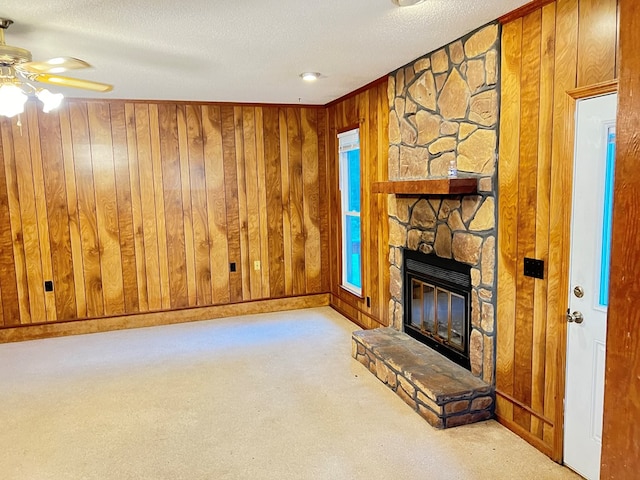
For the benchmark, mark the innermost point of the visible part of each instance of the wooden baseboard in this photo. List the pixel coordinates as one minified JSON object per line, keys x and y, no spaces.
{"x":527,"y":436}
{"x":95,"y":325}
{"x":357,"y":316}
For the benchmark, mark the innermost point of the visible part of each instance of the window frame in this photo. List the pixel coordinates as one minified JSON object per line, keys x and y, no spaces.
{"x":343,"y":180}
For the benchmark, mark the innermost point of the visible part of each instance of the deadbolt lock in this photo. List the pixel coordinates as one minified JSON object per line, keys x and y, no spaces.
{"x":578,"y":291}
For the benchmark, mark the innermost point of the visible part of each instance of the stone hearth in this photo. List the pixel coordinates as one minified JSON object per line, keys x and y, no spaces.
{"x":443,"y":393}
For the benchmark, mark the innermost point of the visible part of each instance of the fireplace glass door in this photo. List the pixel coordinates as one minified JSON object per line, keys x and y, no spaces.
{"x":438,"y":313}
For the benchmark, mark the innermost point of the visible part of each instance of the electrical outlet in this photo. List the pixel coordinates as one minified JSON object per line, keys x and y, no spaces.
{"x":256,"y":265}
{"x":48,"y":285}
{"x":232,"y":267}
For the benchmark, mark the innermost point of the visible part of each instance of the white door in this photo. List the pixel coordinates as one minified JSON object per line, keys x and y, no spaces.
{"x":589,"y":282}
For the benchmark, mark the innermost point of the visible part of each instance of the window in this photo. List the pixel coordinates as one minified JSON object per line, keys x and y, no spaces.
{"x":605,"y":254}
{"x":349,"y":150}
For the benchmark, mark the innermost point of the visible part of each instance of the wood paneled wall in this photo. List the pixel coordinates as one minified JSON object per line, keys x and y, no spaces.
{"x":140,"y":207}
{"x":369,"y":110}
{"x":553,"y":49}
{"x":621,"y":433}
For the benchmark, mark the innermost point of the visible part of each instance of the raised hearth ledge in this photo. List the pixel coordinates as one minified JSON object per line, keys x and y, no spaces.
{"x":442,"y":392}
{"x":462,"y":184}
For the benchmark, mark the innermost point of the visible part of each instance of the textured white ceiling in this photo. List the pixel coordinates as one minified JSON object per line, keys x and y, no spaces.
{"x":240,"y":50}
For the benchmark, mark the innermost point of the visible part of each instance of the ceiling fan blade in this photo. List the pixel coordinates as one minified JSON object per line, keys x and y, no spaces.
{"x":70,"y":82}
{"x":54,"y":65}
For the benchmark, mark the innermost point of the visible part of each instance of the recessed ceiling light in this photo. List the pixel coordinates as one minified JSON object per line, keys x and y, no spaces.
{"x":310,"y":76}
{"x":406,"y":3}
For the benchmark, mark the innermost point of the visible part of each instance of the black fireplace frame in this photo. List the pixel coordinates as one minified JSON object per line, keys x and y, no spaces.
{"x":445,"y":273}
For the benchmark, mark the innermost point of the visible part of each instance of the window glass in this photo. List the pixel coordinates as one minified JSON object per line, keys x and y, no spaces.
{"x":605,"y":255}
{"x":349,"y":149}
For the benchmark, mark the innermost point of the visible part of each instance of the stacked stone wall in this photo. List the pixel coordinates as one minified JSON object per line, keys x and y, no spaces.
{"x":444,"y":107}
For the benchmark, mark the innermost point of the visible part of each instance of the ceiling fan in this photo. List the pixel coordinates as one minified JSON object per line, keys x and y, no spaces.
{"x":17,"y":71}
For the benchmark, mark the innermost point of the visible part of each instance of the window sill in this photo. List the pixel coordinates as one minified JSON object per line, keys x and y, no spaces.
{"x":359,"y":296}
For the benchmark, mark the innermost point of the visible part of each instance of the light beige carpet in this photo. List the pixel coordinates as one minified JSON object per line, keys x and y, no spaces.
{"x":274,"y":396}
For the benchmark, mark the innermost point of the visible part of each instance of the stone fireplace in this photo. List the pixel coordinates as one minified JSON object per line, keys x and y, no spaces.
{"x":444,"y":108}
{"x":443,"y":113}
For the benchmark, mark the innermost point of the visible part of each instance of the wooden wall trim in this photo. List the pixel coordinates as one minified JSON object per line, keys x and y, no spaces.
{"x":358,"y":91}
{"x":508,"y":397}
{"x":195,"y":102}
{"x":356,"y":315}
{"x":524,"y":10}
{"x":121,"y":322}
{"x":596,"y":90}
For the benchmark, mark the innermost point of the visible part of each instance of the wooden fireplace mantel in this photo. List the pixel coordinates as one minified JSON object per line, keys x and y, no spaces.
{"x":462,"y":184}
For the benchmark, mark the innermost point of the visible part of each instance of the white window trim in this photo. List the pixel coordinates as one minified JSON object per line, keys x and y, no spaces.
{"x":347,"y":141}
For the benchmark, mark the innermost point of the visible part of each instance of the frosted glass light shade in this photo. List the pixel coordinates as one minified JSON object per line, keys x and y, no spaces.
{"x":50,"y":101}
{"x":12,"y":100}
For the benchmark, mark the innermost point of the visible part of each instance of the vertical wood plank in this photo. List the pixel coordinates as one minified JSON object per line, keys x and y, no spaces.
{"x":274,"y":206}
{"x":245,"y":269}
{"x":72,"y":209}
{"x":621,"y":433}
{"x":547,"y":65}
{"x":383,"y":156}
{"x":156,"y":158}
{"x":58,"y":220}
{"x":185,"y":177}
{"x":286,"y":207}
{"x":41,"y":207}
{"x":323,"y":186}
{"x":8,"y":282}
{"x":173,"y":206}
{"x":262,"y":199}
{"x":296,"y":200}
{"x":252,"y":201}
{"x":564,"y":79}
{"x":527,"y":195}
{"x":136,"y":208}
{"x":375,"y":269}
{"x":15,"y":218}
{"x":125,"y":216}
{"x":232,"y":201}
{"x":106,"y":207}
{"x":334,"y":201}
{"x":29,"y":214}
{"x":596,"y":41}
{"x":216,"y":203}
{"x":311,"y":206}
{"x":148,"y":205}
{"x":364,"y":122}
{"x":510,"y":129}
{"x":86,"y":200}
{"x":199,"y":212}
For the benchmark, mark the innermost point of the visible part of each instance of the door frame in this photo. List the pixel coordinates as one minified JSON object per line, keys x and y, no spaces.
{"x":572,"y":98}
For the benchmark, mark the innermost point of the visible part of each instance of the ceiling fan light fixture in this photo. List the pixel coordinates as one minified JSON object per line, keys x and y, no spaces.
{"x":12,"y":100}
{"x":310,"y":76}
{"x":406,"y":3}
{"x":50,"y":101}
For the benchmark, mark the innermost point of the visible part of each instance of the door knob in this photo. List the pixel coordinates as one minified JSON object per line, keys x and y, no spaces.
{"x":575,"y":317}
